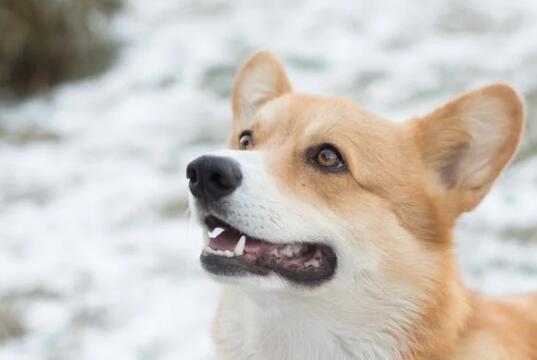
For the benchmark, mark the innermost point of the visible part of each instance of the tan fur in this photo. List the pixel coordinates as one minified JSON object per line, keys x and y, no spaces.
{"x":407,"y":183}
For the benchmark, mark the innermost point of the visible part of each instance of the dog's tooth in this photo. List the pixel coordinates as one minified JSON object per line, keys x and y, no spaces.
{"x":239,"y":248}
{"x":297,"y":249}
{"x":274,"y":252}
{"x":312,"y":262}
{"x":287,"y":251}
{"x":215,"y":232}
{"x":226,"y":253}
{"x":208,"y":250}
{"x":293,"y":249}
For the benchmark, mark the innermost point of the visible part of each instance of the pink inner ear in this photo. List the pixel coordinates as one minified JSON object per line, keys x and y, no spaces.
{"x":261,"y":78}
{"x":449,"y":170}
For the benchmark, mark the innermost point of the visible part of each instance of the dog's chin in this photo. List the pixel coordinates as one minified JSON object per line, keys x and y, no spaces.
{"x":231,"y":254}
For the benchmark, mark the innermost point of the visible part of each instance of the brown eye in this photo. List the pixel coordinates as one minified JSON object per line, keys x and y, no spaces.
{"x":245,"y":140}
{"x":328,"y":158}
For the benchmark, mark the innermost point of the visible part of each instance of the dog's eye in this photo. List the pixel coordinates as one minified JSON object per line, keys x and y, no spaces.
{"x":246,"y":140}
{"x":328,"y":158}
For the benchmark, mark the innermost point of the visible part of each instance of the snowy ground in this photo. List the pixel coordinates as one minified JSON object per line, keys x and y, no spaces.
{"x":96,"y":250}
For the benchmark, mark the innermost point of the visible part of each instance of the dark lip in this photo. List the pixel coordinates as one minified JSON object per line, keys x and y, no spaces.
{"x":238,"y":267}
{"x":212,"y":221}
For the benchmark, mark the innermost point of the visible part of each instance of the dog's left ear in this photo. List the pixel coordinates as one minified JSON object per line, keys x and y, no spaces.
{"x":260,"y":79}
{"x":467,"y":142}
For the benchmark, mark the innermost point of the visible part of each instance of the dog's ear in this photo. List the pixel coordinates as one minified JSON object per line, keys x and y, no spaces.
{"x":466,"y":143}
{"x":261,"y":78}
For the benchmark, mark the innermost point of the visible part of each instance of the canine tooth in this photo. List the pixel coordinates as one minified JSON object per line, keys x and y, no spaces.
{"x":216,"y":231}
{"x":274,"y":252}
{"x":239,"y":248}
{"x":312,"y":262}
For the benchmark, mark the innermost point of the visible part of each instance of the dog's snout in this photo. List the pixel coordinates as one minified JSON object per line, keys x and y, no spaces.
{"x":213,"y":177}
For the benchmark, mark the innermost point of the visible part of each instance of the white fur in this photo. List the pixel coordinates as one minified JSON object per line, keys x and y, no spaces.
{"x":256,"y":324}
{"x":359,"y":314}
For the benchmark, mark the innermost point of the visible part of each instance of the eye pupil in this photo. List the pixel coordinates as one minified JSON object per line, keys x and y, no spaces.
{"x":327,"y":155}
{"x":329,"y":158}
{"x":245,"y":140}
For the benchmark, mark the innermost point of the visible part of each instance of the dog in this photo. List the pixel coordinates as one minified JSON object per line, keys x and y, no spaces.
{"x":331,"y":228}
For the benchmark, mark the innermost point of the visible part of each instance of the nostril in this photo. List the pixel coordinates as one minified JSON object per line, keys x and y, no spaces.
{"x":192,"y":175}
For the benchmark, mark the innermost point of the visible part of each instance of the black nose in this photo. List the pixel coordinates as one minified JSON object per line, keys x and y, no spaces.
{"x":213,"y":177}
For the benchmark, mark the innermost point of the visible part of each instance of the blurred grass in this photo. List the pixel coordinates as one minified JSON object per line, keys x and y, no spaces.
{"x":529,"y":144}
{"x":217,"y":78}
{"x":26,"y":134}
{"x":90,"y":317}
{"x":522,"y":234}
{"x":174,"y":208}
{"x":43,"y":43}
{"x":11,"y":325}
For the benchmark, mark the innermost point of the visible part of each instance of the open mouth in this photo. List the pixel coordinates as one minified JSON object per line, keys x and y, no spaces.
{"x":230,"y":252}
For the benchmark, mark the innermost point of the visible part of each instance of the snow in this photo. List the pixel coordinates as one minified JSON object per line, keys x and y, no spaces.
{"x":96,"y":246}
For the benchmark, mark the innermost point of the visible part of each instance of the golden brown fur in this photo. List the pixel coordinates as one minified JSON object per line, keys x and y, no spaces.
{"x":419,"y":175}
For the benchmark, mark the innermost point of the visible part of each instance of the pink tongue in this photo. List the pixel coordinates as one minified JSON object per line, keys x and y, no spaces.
{"x":256,"y":246}
{"x":225,"y":241}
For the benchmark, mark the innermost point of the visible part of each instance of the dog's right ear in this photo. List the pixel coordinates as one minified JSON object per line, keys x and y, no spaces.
{"x":260,"y":79}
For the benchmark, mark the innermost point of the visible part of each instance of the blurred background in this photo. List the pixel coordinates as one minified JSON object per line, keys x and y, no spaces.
{"x":103,"y":103}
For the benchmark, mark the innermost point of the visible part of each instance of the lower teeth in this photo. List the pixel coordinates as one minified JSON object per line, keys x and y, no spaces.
{"x":225,"y":253}
{"x":276,"y":254}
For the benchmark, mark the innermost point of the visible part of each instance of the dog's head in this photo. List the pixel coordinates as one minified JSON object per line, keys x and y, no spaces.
{"x":316,"y":191}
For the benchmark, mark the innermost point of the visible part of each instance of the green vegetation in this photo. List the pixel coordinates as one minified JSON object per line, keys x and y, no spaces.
{"x":11,"y":325}
{"x":43,"y":43}
{"x":529,"y":144}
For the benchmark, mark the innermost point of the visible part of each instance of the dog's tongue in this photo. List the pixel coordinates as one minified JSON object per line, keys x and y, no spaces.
{"x":225,"y":241}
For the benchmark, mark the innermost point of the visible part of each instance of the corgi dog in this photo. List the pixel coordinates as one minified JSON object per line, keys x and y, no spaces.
{"x":331,"y":228}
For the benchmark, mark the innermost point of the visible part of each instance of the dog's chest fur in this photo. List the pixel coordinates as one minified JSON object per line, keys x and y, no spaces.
{"x":245,"y":329}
